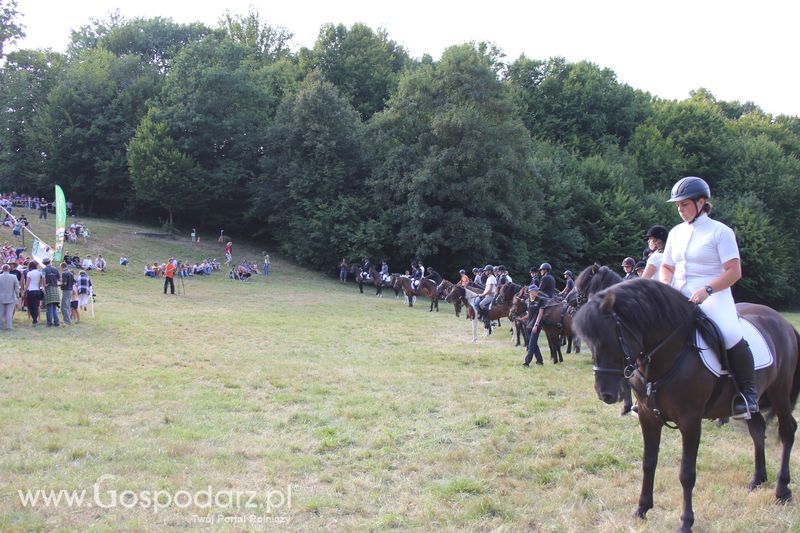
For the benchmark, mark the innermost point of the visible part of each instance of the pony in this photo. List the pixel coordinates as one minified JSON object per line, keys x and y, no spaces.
{"x":469,"y":297}
{"x":591,"y":280}
{"x":403,"y":283}
{"x":557,"y":323}
{"x":431,"y":289}
{"x":444,"y":289}
{"x":644,"y":332}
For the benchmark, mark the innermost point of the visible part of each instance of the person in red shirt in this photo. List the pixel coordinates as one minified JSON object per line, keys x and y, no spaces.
{"x":169,"y":274}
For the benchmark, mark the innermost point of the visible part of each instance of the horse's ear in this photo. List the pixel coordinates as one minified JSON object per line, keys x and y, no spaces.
{"x":595,"y":267}
{"x":607,"y":301}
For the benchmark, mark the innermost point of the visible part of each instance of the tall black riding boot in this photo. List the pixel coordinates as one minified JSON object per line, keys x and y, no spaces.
{"x":741,"y":361}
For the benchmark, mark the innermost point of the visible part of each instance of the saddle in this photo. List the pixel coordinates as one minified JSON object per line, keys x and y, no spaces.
{"x":762,"y":355}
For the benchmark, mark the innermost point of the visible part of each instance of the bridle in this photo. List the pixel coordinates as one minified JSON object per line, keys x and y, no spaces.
{"x":581,"y":297}
{"x":633,"y":365}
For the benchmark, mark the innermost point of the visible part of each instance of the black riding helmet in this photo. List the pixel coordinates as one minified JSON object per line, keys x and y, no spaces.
{"x":546,"y":266}
{"x":690,"y":187}
{"x":659,"y":232}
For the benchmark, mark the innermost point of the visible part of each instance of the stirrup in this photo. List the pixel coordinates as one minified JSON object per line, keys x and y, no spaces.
{"x":749,"y":409}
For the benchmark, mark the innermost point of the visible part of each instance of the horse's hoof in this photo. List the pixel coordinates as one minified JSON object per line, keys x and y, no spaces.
{"x":783,"y":498}
{"x":640,"y":514}
{"x":756,"y":483}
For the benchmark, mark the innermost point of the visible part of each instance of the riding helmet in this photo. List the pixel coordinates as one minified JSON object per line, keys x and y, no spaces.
{"x":488,"y":267}
{"x":462,"y":271}
{"x":690,"y":187}
{"x":629,"y":261}
{"x":476,"y":269}
{"x":659,"y":232}
{"x":546,"y":266}
{"x":533,"y":287}
{"x":568,"y":273}
{"x":533,"y":270}
{"x":641,"y":264}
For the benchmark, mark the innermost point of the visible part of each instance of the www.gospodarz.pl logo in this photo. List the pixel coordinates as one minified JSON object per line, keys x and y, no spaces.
{"x":101,"y":496}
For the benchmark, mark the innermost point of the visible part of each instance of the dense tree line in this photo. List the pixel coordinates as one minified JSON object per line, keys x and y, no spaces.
{"x":353,"y":148}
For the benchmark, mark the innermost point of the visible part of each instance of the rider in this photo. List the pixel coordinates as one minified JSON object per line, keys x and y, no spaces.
{"x":366,"y":266}
{"x":656,"y":241}
{"x":385,"y":276}
{"x":547,"y":284}
{"x":628,"y":265}
{"x":485,"y":298}
{"x":640,"y":266}
{"x":533,"y":323}
{"x":434,"y":276}
{"x":568,"y":278}
{"x":464,"y":278}
{"x":477,"y":276}
{"x":701,"y":259}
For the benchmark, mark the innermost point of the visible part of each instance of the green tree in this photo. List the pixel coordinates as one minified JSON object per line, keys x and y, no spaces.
{"x":452,"y":166}
{"x":270,"y":43}
{"x":218,"y":102}
{"x":25,"y":81}
{"x":363,"y":64}
{"x":161,"y":175}
{"x":10,"y":29}
{"x":82,"y":130}
{"x":313,"y":175}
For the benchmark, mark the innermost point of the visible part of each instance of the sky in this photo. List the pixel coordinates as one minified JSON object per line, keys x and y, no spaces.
{"x":738,"y":50}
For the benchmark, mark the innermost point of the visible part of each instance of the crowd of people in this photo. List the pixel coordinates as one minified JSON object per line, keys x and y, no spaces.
{"x":27,"y":286}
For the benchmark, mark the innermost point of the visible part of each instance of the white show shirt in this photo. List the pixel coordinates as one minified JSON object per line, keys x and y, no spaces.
{"x":491,"y":285}
{"x":697,"y":252}
{"x":655,"y":260}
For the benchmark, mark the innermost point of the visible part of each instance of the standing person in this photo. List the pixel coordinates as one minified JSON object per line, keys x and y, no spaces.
{"x":52,"y":298}
{"x":74,"y":314}
{"x":547,"y":283}
{"x":228,"y":252}
{"x":169,"y":274}
{"x":656,"y":241}
{"x":265,"y":268}
{"x":42,"y":209}
{"x":628,"y":265}
{"x":221,"y":238}
{"x":67,"y":284}
{"x":84,"y":289}
{"x":533,"y":323}
{"x":34,"y":287}
{"x":343,"y":267}
{"x":9,"y":293}
{"x":194,"y":235}
{"x":701,"y":259}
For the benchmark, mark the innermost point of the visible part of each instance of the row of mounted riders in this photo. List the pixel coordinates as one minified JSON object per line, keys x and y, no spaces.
{"x":511,"y":301}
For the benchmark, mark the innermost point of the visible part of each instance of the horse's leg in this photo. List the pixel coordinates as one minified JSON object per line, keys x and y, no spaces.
{"x":627,"y":401}
{"x":787,"y":426}
{"x":651,"y":435}
{"x":690,"y":434}
{"x":577,"y":345}
{"x":474,"y":328}
{"x":360,"y":288}
{"x":757,"y":428}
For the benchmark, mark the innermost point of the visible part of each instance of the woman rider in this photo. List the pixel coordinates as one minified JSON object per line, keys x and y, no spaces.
{"x":656,"y":241}
{"x":701,"y":259}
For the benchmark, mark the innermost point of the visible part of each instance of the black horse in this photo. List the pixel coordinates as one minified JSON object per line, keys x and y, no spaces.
{"x":592,"y":280}
{"x":643,"y":332}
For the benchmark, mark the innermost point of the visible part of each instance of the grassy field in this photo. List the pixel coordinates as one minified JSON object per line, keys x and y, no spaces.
{"x":340,"y":411}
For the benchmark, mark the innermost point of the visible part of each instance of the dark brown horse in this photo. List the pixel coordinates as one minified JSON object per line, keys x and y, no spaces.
{"x":374,"y":278}
{"x":590,"y":281}
{"x":429,"y":288}
{"x":557,"y":324}
{"x":444,"y":290}
{"x":644,"y":331}
{"x":519,"y":307}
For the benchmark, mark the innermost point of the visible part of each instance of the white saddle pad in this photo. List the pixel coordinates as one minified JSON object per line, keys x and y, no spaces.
{"x":762,"y":356}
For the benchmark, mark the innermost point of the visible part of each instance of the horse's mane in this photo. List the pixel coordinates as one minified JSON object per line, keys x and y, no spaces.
{"x":644,"y":305}
{"x":595,"y":278}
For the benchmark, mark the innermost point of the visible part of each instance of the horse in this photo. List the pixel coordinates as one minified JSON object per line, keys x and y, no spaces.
{"x":431,"y":289}
{"x":519,"y":307}
{"x":444,"y":289}
{"x":590,"y":281}
{"x":645,"y":332}
{"x":557,"y":324}
{"x":403,"y":283}
{"x":469,"y":297}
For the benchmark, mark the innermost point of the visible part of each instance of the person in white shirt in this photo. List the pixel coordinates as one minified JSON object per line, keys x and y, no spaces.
{"x":87,"y":263}
{"x":100,"y":263}
{"x":489,"y":291}
{"x":656,"y":241}
{"x":701,"y":259}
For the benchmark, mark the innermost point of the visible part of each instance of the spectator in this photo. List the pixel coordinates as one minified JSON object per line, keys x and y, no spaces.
{"x":85,"y":289}
{"x":67,"y":284}
{"x":34,"y":287}
{"x":9,"y":292}
{"x":149,"y":271}
{"x":123,"y":261}
{"x":87,"y":263}
{"x":100,"y":263}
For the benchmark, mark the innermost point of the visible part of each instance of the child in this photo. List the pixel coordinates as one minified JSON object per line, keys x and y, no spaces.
{"x":74,"y":315}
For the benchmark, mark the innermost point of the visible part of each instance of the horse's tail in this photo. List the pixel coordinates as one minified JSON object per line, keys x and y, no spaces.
{"x":796,"y":382}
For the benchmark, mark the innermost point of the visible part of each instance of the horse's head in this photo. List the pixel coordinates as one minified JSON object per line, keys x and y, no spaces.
{"x":456,"y":292}
{"x":594,"y":323}
{"x":593,"y":279}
